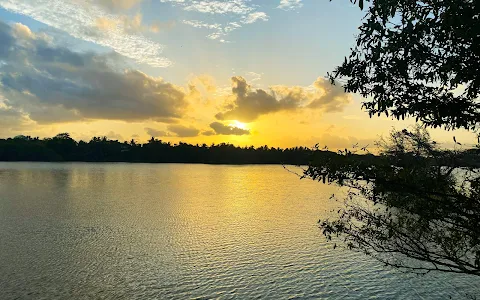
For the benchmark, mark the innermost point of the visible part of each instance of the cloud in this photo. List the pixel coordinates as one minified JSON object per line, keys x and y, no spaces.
{"x":330,"y":97}
{"x":201,"y":24}
{"x":219,"y":30}
{"x":254,"y":17}
{"x":208,"y":133}
{"x":117,"y":4}
{"x":252,"y":76}
{"x":81,"y":20}
{"x":240,"y":11}
{"x":183,"y":131}
{"x":158,"y":26}
{"x":220,"y":128}
{"x":129,"y":24}
{"x":12,"y":118}
{"x":22,"y":31}
{"x":133,"y":25}
{"x":290,"y":4}
{"x":54,"y":84}
{"x":155,"y":133}
{"x":249,"y":104}
{"x":206,"y":81}
{"x":239,"y":7}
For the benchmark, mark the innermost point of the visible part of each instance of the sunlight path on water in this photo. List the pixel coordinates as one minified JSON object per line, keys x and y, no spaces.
{"x":163,"y":231}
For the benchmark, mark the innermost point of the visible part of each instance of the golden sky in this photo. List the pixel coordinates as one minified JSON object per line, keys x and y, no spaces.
{"x":235,"y":71}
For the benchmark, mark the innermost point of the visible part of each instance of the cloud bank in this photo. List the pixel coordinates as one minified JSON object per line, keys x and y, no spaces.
{"x":55,"y":84}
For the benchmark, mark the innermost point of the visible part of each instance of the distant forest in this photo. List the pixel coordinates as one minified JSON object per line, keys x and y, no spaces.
{"x":101,"y":149}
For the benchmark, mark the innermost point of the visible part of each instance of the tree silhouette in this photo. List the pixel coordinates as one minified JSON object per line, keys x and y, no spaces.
{"x":420,"y":59}
{"x":101,"y":149}
{"x":414,"y":207}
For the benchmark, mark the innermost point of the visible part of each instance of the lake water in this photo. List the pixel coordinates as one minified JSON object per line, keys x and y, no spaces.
{"x":169,"y":231}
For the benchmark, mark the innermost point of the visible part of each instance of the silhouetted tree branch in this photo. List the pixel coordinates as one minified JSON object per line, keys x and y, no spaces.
{"x":416,"y":207}
{"x":418,"y":58}
{"x":412,"y":208}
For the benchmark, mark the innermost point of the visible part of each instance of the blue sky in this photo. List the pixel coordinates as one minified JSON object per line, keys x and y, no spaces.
{"x":291,"y":45}
{"x":181,"y":69}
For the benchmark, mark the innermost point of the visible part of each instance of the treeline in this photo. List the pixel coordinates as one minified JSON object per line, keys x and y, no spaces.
{"x":101,"y":149}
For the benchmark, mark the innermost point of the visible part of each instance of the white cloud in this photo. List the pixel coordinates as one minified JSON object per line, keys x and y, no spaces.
{"x":239,"y":11}
{"x":239,"y":7}
{"x":254,"y":17}
{"x":252,"y":76}
{"x":290,"y":4}
{"x":220,"y":7}
{"x":201,"y":24}
{"x":80,"y":22}
{"x":218,"y":30}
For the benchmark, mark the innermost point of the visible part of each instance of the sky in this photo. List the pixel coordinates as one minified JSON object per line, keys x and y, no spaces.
{"x":246,"y":72}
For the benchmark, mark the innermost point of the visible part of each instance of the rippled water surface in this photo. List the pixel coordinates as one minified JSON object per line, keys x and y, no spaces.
{"x":140,"y":231}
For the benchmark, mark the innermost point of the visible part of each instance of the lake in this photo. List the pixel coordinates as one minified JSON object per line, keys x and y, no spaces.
{"x":172,"y":231}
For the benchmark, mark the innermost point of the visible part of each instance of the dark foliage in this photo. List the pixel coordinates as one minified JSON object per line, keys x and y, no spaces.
{"x":100,"y":149}
{"x":420,"y":59}
{"x":414,"y":207}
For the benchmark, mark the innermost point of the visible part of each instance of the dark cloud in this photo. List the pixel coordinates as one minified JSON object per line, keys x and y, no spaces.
{"x":183,"y":131}
{"x":220,"y":128}
{"x":10,"y":117}
{"x":39,"y":79}
{"x":12,"y":121}
{"x":209,"y":133}
{"x":155,"y":133}
{"x":250,"y":103}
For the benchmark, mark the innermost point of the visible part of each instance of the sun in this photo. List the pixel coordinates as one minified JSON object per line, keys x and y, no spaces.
{"x":238,"y":124}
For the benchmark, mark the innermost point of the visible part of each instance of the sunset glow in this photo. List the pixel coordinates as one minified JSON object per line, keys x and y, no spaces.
{"x":238,"y":124}
{"x":191,"y":71}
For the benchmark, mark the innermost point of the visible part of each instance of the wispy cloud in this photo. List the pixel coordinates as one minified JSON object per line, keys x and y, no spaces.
{"x":218,"y":29}
{"x":118,"y":4}
{"x":201,"y":24}
{"x":239,"y":7}
{"x":80,"y":21}
{"x":252,"y":76}
{"x":239,"y":11}
{"x":290,"y":4}
{"x":254,"y":17}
